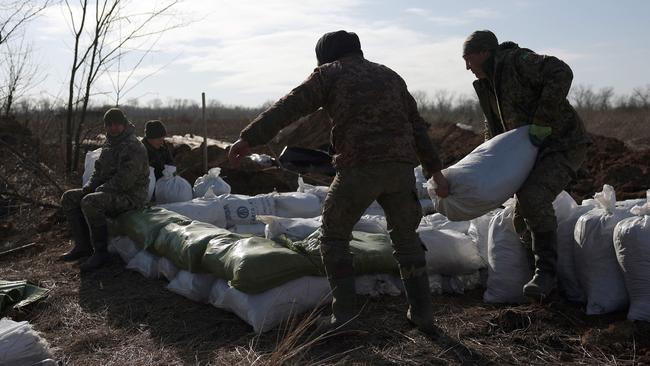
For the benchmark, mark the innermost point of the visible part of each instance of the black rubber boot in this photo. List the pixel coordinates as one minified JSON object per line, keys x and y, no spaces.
{"x":418,"y":294}
{"x":80,"y":238}
{"x":544,"y":281}
{"x":99,"y":236}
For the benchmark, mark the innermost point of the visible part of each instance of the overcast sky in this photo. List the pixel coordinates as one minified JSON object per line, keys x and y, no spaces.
{"x":249,"y":52}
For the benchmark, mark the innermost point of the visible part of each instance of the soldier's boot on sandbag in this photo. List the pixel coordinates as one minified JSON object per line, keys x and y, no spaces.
{"x":418,"y":294}
{"x":337,"y":260}
{"x":544,"y":281}
{"x":99,"y":238}
{"x":80,"y":238}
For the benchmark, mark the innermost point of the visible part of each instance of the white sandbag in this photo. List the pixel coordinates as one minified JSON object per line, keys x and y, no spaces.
{"x":375,"y":285}
{"x":567,"y":276}
{"x":508,"y":265}
{"x":210,"y":180}
{"x":257,"y":229}
{"x":292,"y":228}
{"x":166,"y":269}
{"x":152,"y":184}
{"x":145,"y":263}
{"x":632,"y":244}
{"x":428,"y":207}
{"x":297,"y":204}
{"x":242,"y":209}
{"x":268,"y":309}
{"x":208,"y":210}
{"x":449,"y":252}
{"x":319,"y":191}
{"x":194,"y":286}
{"x":420,"y":182}
{"x":439,"y":221}
{"x":595,"y":257}
{"x":172,"y":188}
{"x":486,"y":177}
{"x":21,"y":345}
{"x":89,"y":165}
{"x":375,"y":224}
{"x":375,"y":209}
{"x":479,"y":229}
{"x":124,"y":247}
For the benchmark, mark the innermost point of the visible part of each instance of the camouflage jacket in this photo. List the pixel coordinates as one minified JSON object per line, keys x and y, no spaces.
{"x":158,"y":158}
{"x":527,"y":88}
{"x":122,"y":168}
{"x":374,"y":118}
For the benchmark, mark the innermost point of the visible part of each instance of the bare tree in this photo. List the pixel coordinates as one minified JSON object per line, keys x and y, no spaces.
{"x":14,"y":14}
{"x":98,"y":46}
{"x":18,"y":74}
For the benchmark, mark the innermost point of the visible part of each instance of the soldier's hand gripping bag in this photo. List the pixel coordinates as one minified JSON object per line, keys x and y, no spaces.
{"x":486,"y":177}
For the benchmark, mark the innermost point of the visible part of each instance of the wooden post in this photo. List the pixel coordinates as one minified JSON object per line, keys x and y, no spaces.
{"x":205,"y":135}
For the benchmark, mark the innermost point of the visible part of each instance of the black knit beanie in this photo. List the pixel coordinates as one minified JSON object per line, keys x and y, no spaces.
{"x":154,"y":129}
{"x":334,"y":45}
{"x":115,"y":115}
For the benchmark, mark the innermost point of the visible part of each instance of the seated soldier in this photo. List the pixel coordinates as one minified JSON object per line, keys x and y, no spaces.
{"x":118,"y":184}
{"x":158,"y":152}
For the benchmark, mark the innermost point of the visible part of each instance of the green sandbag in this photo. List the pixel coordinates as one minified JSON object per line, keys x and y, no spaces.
{"x":371,"y":253}
{"x":255,"y":264}
{"x":184,"y":244}
{"x":142,"y":226}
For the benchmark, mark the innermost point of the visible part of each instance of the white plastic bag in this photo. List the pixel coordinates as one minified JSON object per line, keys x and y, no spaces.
{"x":209,"y":210}
{"x":632,"y":244}
{"x":89,"y":165}
{"x":508,"y":264}
{"x":595,"y":257}
{"x":145,"y":263}
{"x":439,"y":221}
{"x":292,"y":228}
{"x":241,"y":209}
{"x":152,"y":184}
{"x":124,"y":247}
{"x":297,"y":204}
{"x":486,"y":177}
{"x":479,"y":229}
{"x":268,"y":309}
{"x":21,"y":345}
{"x":449,"y":252}
{"x":194,"y":286}
{"x":211,"y":180}
{"x":166,"y":269}
{"x":172,"y":188}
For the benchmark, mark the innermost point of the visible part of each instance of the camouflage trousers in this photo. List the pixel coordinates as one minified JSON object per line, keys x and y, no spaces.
{"x":93,"y":208}
{"x":551,"y":174}
{"x":350,"y":194}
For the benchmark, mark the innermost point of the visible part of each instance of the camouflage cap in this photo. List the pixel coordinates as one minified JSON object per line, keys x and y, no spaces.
{"x":334,"y":45}
{"x":115,"y":115}
{"x":480,"y":40}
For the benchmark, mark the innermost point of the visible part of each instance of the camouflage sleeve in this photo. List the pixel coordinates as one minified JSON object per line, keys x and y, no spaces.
{"x":301,"y":101}
{"x":132,"y":162}
{"x":426,"y":151}
{"x":553,"y":77}
{"x":486,"y":130}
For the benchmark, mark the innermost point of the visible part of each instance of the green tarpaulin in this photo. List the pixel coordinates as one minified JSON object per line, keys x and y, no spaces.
{"x":18,"y":294}
{"x":143,"y":226}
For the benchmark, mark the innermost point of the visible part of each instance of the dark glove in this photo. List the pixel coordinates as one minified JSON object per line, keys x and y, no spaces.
{"x":538,"y":134}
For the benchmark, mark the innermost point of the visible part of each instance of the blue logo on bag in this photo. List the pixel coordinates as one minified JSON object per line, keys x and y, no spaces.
{"x":242,"y":212}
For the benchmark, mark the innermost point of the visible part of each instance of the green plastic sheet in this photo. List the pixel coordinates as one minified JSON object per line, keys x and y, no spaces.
{"x":16,"y":294}
{"x":143,"y":225}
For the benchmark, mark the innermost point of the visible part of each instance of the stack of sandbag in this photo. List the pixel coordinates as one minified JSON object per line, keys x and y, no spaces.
{"x":243,"y":210}
{"x":597,"y":267}
{"x":212,"y":181}
{"x":208,"y":209}
{"x":632,"y":244}
{"x":449,"y":252}
{"x":20,"y":344}
{"x":297,"y":204}
{"x":301,"y":228}
{"x":486,"y":177}
{"x":172,"y":188}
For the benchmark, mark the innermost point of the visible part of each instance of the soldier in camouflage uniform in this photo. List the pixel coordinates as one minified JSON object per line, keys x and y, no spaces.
{"x":119,"y":183}
{"x":378,"y":137}
{"x":158,"y":152}
{"x":518,"y":87}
